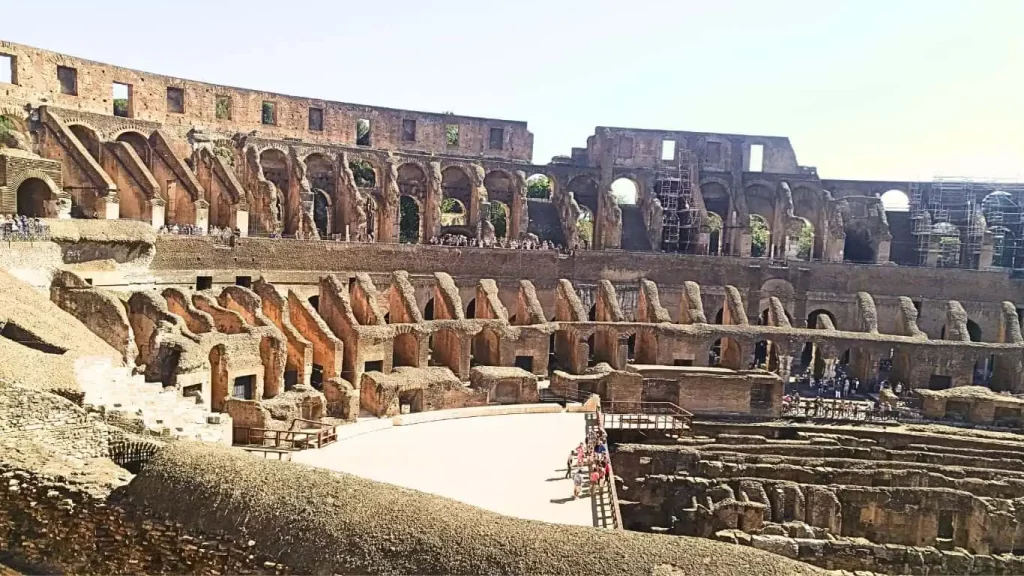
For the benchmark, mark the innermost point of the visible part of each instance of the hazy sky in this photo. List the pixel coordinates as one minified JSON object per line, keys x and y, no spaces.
{"x":897,"y":89}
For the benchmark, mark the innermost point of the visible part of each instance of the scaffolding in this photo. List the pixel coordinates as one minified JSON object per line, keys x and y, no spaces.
{"x":674,"y":188}
{"x":952,"y":219}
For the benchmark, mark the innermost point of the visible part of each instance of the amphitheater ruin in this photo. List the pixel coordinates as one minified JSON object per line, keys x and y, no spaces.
{"x":204,"y":289}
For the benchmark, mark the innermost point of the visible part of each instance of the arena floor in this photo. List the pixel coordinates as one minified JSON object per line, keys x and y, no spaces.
{"x":512,"y":465}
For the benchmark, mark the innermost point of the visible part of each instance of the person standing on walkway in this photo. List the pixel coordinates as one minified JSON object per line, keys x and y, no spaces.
{"x":577,"y":484}
{"x":568,"y":464}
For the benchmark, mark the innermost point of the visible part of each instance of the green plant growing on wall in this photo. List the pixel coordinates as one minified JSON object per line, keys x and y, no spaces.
{"x":759,"y":237}
{"x":538,"y":187}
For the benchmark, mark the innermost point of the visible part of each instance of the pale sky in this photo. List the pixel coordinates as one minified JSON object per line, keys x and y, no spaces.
{"x":866,"y":89}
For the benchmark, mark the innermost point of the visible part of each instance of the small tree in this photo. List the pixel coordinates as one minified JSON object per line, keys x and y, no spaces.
{"x":806,"y":242}
{"x":6,"y":129}
{"x":363,"y":173}
{"x":759,"y":236}
{"x":538,"y":186}
{"x":585,"y":228}
{"x":451,"y":134}
{"x":121,"y":107}
{"x":499,"y":219}
{"x":362,"y":132}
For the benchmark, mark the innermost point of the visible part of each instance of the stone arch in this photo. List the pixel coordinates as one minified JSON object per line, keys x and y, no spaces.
{"x":457,"y":185}
{"x":761,"y":199}
{"x":454,"y":213}
{"x":715,"y":193}
{"x":895,"y":200}
{"x":760,"y":246}
{"x":89,"y":138}
{"x":499,"y":215}
{"x":626,"y":190}
{"x":551,"y":184}
{"x":36,"y":197}
{"x":781,"y":289}
{"x":365,"y":171}
{"x":501,"y":186}
{"x":716,"y":229}
{"x":274,"y":163}
{"x":323,"y":213}
{"x":321,"y":173}
{"x":585,"y":191}
{"x":412,"y":180}
{"x":802,"y":240}
{"x":139,"y":142}
{"x":410,"y":220}
{"x":858,"y":246}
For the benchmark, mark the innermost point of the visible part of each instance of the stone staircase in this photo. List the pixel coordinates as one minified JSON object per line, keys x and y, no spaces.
{"x":128,"y":401}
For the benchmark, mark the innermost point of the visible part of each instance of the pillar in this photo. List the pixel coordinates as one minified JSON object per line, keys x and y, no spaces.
{"x":241,"y":219}
{"x":156,"y":210}
{"x":202,"y":215}
{"x":111,"y":206}
{"x":884,"y":247}
{"x":785,"y":368}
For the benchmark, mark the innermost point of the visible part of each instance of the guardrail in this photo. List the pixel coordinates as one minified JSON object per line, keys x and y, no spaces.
{"x":596,"y":420}
{"x":837,"y":409}
{"x":633,"y":415}
{"x":291,"y":439}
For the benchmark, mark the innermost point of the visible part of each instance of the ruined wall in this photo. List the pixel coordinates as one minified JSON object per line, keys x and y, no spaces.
{"x":37,"y":82}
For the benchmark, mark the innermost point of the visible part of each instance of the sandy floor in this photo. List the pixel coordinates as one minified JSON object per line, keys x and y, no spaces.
{"x":513,"y":465}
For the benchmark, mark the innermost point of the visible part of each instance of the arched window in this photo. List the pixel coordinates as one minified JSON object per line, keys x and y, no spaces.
{"x":895,"y":201}
{"x":625,"y":191}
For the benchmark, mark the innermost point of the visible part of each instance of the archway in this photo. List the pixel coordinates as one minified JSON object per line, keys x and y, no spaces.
{"x":760,"y":236}
{"x":412,"y":181}
{"x":1001,"y":211}
{"x":471,"y":308}
{"x":857,"y":247}
{"x":895,"y":201}
{"x":322,"y":212}
{"x":714,"y":227}
{"x":539,"y":187}
{"x":453,"y":213}
{"x":456,"y":185}
{"x":585,"y":228}
{"x":498,"y":217}
{"x":88,"y":138}
{"x":500,"y":187}
{"x":625,"y":191}
{"x":34,"y":197}
{"x":140,"y":144}
{"x":320,"y":172}
{"x":409,"y":220}
{"x":428,"y":310}
{"x":810,"y":358}
{"x":363,"y":173}
{"x":275,"y":169}
{"x":800,"y":240}
{"x":584,"y":191}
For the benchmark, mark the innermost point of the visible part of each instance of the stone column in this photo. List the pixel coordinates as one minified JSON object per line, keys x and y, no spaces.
{"x":156,"y":210}
{"x":241,"y":219}
{"x":202,"y":215}
{"x":111,"y":205}
{"x":785,"y":368}
{"x":477,"y":195}
{"x":884,"y":247}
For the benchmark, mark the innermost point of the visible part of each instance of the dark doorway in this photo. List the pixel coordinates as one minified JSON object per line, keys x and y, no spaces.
{"x":243,"y":281}
{"x":204,"y":282}
{"x":243,"y":387}
{"x":374,"y":366}
{"x":525,"y":362}
{"x":316,"y":377}
{"x":937,"y":382}
{"x":291,"y":378}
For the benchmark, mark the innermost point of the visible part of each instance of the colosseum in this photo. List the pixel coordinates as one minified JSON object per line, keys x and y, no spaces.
{"x":228,"y":316}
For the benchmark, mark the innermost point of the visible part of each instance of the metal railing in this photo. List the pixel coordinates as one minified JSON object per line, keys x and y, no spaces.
{"x":837,"y":409}
{"x":633,"y":415}
{"x":291,"y":439}
{"x":596,"y":421}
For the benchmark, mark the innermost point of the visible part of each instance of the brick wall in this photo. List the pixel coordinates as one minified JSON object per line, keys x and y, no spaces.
{"x":37,"y":83}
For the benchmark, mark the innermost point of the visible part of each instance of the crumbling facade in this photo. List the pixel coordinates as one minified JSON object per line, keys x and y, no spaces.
{"x":176,"y":152}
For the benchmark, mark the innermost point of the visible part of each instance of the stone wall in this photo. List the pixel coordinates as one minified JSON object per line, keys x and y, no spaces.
{"x":37,"y":83}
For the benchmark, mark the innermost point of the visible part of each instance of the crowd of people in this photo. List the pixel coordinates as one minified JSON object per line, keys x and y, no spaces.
{"x":591,"y":462}
{"x":193,"y":230}
{"x":525,"y":244}
{"x":21,"y":227}
{"x":834,"y":409}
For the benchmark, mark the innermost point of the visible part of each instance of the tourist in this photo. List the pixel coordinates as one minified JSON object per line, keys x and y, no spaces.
{"x":577,"y":484}
{"x":580,"y":455}
{"x":568,"y":464}
{"x":898,"y":389}
{"x":594,"y":479}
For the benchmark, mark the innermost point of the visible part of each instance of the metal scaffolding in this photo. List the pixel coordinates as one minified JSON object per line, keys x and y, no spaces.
{"x":674,"y":188}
